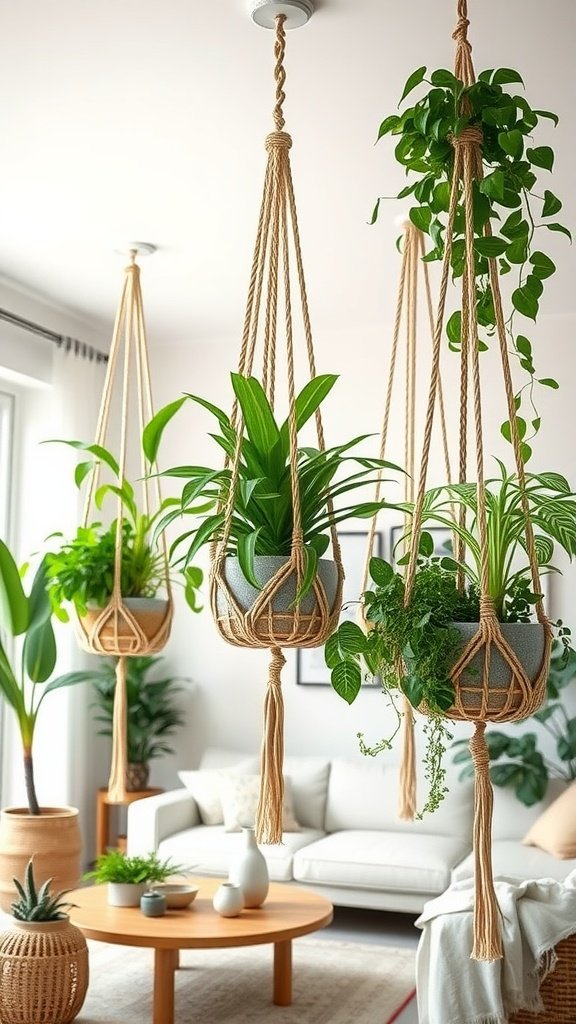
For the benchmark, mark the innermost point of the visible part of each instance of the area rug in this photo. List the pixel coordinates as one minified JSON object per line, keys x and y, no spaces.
{"x":334,"y":983}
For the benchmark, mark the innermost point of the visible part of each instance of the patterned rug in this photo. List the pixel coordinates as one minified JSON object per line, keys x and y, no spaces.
{"x":334,"y":983}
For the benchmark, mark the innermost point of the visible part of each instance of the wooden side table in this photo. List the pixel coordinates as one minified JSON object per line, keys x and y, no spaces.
{"x":103,"y":805}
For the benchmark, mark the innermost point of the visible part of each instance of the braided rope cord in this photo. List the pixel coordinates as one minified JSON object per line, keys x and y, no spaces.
{"x":477,"y":698}
{"x":266,"y":623}
{"x":117,"y":629}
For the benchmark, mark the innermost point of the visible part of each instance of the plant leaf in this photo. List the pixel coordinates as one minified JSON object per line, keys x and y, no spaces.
{"x":152,"y":434}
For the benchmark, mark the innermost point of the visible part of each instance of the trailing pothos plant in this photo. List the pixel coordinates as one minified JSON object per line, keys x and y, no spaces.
{"x":262,"y":520}
{"x":516,"y":762}
{"x":512,"y":211}
{"x":82,"y":570}
{"x":412,"y":647}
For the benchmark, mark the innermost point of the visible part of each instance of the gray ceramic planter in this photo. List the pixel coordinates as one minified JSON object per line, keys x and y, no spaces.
{"x":265,"y":567}
{"x":527,"y":640}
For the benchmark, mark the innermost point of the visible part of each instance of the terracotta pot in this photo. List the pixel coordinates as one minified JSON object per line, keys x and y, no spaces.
{"x":137,"y":775}
{"x":149,"y":612}
{"x":527,"y":640}
{"x":44,"y":972}
{"x":52,"y":837}
{"x":277,"y":628}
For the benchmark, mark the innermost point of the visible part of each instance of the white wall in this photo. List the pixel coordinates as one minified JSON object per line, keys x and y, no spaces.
{"x":224,"y":702}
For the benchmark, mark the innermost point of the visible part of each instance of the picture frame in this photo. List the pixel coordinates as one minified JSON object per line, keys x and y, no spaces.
{"x":311,"y":668}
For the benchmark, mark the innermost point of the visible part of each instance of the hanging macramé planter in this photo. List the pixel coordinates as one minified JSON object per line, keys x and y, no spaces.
{"x":273,"y":617}
{"x":413,"y":249}
{"x":127,"y":626}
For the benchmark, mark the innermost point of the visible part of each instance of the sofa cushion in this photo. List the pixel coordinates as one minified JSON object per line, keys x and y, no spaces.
{"x":204,"y":784}
{"x":511,"y":819}
{"x":364,"y":795}
{"x":309,"y":781}
{"x":240,"y":795}
{"x":555,"y":829}
{"x":391,"y":861}
{"x":513,"y":860}
{"x":209,"y":850}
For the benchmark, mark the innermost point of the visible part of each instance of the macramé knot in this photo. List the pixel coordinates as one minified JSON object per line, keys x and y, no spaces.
{"x":468,"y":137}
{"x":278,"y":140}
{"x":460,"y":33}
{"x":277,"y":662}
{"x":479,"y":748}
{"x":486,"y":608}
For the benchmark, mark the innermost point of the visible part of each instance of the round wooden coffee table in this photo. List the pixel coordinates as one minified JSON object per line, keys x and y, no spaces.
{"x":287,"y":913}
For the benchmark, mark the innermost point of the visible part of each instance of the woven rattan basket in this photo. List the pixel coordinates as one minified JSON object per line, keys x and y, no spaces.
{"x":558,"y":990}
{"x":43,"y":972}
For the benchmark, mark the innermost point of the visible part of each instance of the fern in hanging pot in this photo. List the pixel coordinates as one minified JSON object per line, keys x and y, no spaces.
{"x":414,"y":647}
{"x":260,"y":539}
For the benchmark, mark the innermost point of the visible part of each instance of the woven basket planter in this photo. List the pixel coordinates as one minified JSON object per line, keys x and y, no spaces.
{"x":43,"y":972}
{"x":141,"y":626}
{"x":274,"y":620}
{"x":558,"y":990}
{"x":52,"y":838}
{"x":502,"y":698}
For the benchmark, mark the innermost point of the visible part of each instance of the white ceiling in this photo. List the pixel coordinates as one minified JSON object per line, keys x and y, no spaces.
{"x":140,"y":119}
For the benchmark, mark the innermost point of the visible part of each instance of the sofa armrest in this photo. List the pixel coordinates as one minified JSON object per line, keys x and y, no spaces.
{"x":153,"y":819}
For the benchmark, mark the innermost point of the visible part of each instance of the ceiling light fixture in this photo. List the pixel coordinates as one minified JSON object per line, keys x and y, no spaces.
{"x":296,"y":12}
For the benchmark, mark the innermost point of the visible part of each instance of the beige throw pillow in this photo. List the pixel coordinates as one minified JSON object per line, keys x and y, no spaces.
{"x":204,"y":785}
{"x":555,"y":830}
{"x":239,"y":795}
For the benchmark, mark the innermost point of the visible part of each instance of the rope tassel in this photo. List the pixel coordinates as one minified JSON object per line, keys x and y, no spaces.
{"x":407,"y":796}
{"x":269,"y":812}
{"x":487,"y":937}
{"x":117,"y":780}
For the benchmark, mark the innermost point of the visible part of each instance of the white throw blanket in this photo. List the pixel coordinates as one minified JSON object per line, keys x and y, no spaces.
{"x":453,"y":989}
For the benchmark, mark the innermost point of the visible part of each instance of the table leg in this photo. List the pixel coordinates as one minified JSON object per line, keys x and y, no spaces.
{"x":282,"y":973}
{"x":164,"y":965}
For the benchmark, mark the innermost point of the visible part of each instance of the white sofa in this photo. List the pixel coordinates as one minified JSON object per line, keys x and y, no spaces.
{"x":351,"y":847}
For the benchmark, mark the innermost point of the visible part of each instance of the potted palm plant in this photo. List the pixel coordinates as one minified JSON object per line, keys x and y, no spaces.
{"x":51,"y":833}
{"x":261,"y":533}
{"x":413,"y":646}
{"x":43,"y":957}
{"x":152,"y":716}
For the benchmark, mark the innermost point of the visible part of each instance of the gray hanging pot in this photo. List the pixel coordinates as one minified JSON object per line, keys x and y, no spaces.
{"x":526,"y":639}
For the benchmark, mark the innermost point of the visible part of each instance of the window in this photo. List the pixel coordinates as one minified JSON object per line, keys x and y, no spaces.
{"x":6,"y":431}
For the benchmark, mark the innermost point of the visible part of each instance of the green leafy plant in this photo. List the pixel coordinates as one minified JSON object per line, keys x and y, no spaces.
{"x":412,"y":647}
{"x":24,"y":680}
{"x":152,"y":715}
{"x":518,"y":763}
{"x":262,"y":521}
{"x":510,"y":209}
{"x":82,"y":570}
{"x":115,"y":866}
{"x":38,"y":904}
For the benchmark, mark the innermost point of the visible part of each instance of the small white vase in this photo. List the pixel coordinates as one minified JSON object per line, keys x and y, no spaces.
{"x":228,"y":900}
{"x":250,"y":872}
{"x":126,"y":894}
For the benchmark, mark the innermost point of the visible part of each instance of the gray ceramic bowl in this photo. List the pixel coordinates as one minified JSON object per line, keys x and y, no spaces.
{"x":177,"y":896}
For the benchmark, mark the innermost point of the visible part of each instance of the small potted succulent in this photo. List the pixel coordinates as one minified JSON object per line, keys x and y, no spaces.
{"x":43,"y":957}
{"x":128,"y":878}
{"x":152,"y":716}
{"x":82,"y":570}
{"x":25,"y":682}
{"x":412,"y":648}
{"x":261,"y":533}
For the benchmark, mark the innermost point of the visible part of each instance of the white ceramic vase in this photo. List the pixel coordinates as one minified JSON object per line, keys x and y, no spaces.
{"x":126,"y":894}
{"x":228,"y":900}
{"x":250,"y":872}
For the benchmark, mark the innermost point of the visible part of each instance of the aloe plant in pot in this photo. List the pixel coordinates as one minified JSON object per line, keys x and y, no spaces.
{"x":413,"y":647}
{"x":261,"y":534}
{"x":25,"y":682}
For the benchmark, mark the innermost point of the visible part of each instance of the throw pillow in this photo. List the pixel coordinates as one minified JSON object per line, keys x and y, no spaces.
{"x":555,"y":830}
{"x":204,"y":785}
{"x":239,"y":795}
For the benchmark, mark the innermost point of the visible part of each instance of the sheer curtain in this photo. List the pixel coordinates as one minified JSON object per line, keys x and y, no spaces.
{"x":50,"y":502}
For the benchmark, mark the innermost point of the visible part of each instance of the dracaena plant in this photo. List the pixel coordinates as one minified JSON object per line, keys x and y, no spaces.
{"x":25,"y":679}
{"x":412,"y":646}
{"x":82,"y":570}
{"x":262,"y":520}
{"x":510,"y":202}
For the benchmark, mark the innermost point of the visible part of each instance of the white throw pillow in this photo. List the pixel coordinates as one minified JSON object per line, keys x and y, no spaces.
{"x":239,"y":795}
{"x":204,"y":785}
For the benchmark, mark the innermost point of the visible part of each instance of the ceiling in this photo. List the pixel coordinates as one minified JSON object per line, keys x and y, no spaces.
{"x":139,"y":119}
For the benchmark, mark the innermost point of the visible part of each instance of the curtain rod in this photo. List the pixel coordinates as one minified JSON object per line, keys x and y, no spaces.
{"x":80,"y":348}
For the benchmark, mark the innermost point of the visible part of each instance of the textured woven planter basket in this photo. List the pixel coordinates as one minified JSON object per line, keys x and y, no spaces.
{"x":117,"y":635}
{"x":558,"y":990}
{"x":43,"y":972}
{"x":528,"y":641}
{"x":276,"y":623}
{"x":52,"y":837}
